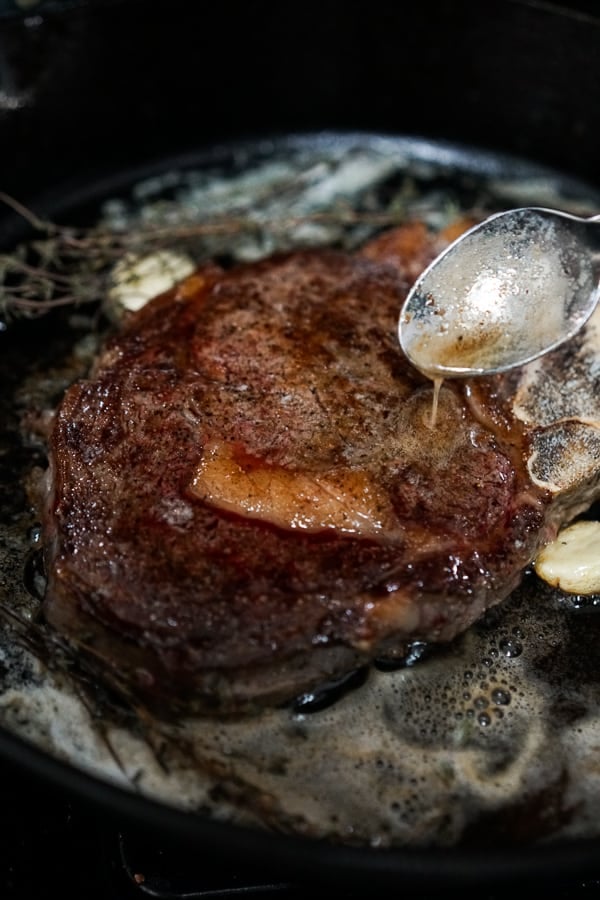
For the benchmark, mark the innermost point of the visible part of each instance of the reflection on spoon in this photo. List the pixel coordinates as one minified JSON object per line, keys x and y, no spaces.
{"x":507,"y":291}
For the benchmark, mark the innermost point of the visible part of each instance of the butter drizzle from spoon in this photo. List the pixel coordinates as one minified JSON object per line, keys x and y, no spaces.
{"x":508,"y":290}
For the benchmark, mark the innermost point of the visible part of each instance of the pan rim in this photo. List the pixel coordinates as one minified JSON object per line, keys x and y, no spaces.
{"x":296,"y":854}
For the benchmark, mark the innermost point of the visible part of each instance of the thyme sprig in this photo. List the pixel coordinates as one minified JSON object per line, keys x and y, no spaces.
{"x":62,"y":266}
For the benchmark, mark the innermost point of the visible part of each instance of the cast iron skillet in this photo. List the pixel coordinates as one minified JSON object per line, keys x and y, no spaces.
{"x":87,"y":85}
{"x":510,"y":76}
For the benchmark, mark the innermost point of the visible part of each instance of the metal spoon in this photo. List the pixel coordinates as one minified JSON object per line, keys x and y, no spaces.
{"x":507,"y":291}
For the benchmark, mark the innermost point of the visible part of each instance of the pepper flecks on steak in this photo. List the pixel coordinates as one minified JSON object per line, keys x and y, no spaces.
{"x":247,"y":496}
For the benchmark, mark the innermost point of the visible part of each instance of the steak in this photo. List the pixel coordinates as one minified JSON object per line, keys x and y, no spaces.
{"x":247,"y":496}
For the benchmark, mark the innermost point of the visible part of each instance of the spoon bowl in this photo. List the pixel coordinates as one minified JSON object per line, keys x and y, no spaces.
{"x":508,"y":290}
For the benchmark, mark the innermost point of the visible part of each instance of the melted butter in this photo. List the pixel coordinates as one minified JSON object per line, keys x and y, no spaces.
{"x":455,"y":354}
{"x":572,"y":561}
{"x":346,"y":500}
{"x":437,"y":386}
{"x":479,"y":305}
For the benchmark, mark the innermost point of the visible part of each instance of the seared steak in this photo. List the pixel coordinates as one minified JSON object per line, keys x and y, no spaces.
{"x":247,"y":495}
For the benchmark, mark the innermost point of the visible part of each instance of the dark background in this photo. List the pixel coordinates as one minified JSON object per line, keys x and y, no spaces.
{"x":86,"y":86}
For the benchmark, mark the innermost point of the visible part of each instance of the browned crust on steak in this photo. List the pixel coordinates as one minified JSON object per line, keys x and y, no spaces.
{"x":289,"y":367}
